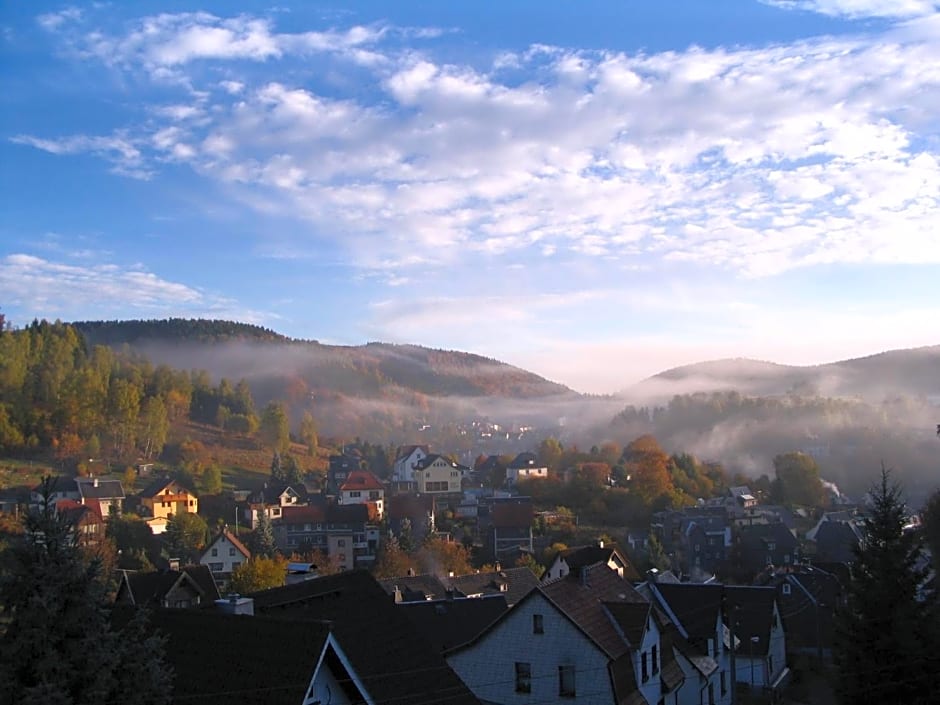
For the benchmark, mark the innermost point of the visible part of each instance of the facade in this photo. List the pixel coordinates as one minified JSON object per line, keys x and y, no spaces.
{"x":362,"y":487}
{"x":435,"y":474}
{"x":224,"y":554}
{"x":525,"y":466}
{"x":339,"y":469}
{"x":108,"y":495}
{"x":166,"y":497}
{"x":510,"y":528}
{"x":271,"y":501}
{"x":344,"y":533}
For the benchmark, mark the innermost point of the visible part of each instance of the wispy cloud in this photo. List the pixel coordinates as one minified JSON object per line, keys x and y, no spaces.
{"x":40,"y":287}
{"x":860,"y":8}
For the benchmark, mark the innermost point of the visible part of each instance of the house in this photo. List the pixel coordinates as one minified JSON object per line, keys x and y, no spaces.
{"x":406,"y":460}
{"x":339,"y":469}
{"x":761,"y":655}
{"x":59,"y":488}
{"x":511,"y":583}
{"x":108,"y":495}
{"x":233,"y":659}
{"x":165,"y":497}
{"x":191,"y":586}
{"x":224,"y":554}
{"x":270,"y":500}
{"x":694,"y":611}
{"x":703,"y":545}
{"x":510,"y":528}
{"x":415,"y":588}
{"x":525,"y":466}
{"x":571,"y":560}
{"x":742,"y":497}
{"x":413,"y":515}
{"x":808,"y":598}
{"x":587,"y":637}
{"x":362,"y":487}
{"x":836,"y":541}
{"x":347,"y":534}
{"x":86,"y":521}
{"x":435,"y":474}
{"x":393,"y":663}
{"x":759,"y":545}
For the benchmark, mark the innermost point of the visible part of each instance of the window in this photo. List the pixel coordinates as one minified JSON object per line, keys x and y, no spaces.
{"x":355,"y":493}
{"x":523,"y":677}
{"x":537,"y":626}
{"x":644,"y":667}
{"x":215,"y":567}
{"x":276,"y":511}
{"x":215,"y":552}
{"x":373,"y":494}
{"x":231,"y":551}
{"x":786,"y":588}
{"x":655,"y":659}
{"x":724,"y":685}
{"x":566,"y":681}
{"x":341,"y":543}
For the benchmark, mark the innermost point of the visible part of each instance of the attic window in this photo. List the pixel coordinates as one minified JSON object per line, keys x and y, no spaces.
{"x":538,"y":626}
{"x":786,"y":588}
{"x":523,"y":677}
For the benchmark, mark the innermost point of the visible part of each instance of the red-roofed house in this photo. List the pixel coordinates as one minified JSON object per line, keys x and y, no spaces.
{"x":86,"y":520}
{"x":362,"y":487}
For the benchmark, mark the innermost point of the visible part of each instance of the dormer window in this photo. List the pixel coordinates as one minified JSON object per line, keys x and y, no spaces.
{"x":786,"y":588}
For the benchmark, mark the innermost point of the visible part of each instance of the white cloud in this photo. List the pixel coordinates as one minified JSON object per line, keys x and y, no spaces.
{"x":756,"y":160}
{"x":38,"y":287}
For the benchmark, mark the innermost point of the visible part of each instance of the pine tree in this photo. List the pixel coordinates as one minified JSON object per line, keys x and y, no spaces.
{"x":277,"y":469}
{"x":59,"y":646}
{"x":262,"y":541}
{"x":887,"y":641}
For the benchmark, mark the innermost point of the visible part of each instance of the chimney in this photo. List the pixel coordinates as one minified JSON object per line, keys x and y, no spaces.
{"x":94,"y":482}
{"x":450,"y":574}
{"x":498,"y":567}
{"x":652,"y":575}
{"x":236,"y":604}
{"x":174,"y":563}
{"x":600,"y":543}
{"x":411,"y":572}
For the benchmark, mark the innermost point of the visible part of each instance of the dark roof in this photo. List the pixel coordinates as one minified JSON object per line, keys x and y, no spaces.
{"x":405,"y":451}
{"x":150,"y":588}
{"x":696,"y":606}
{"x":449,"y":623}
{"x":579,"y":556}
{"x":221,"y":659}
{"x":524,"y":460}
{"x":377,"y":636}
{"x":409,"y":506}
{"x":632,"y":618}
{"x":836,"y":542}
{"x":512,"y":583}
{"x":753,"y":610}
{"x":415,"y":587}
{"x":160,"y":484}
{"x":105,"y":489}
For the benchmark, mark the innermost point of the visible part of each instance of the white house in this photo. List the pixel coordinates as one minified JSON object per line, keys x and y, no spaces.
{"x":588,"y":638}
{"x":405,"y":461}
{"x":224,"y":554}
{"x":573,"y":559}
{"x":525,"y":466}
{"x":435,"y":474}
{"x":362,"y":487}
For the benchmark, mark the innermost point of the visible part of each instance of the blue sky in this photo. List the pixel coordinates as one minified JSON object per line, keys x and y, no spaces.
{"x":594,"y":191}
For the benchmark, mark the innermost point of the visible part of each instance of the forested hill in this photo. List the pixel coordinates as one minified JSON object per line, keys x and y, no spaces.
{"x":114,"y":333}
{"x":912,"y":372}
{"x":277,"y":366}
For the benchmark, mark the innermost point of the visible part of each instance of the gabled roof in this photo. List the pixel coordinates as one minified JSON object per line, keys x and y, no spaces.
{"x":632,"y":618}
{"x":232,"y":538}
{"x":150,"y":588}
{"x":271,"y":494}
{"x":310,"y":514}
{"x":104,"y":489}
{"x":696,"y":606}
{"x":752,"y":608}
{"x":524,"y":460}
{"x":377,"y":636}
{"x":579,"y":556}
{"x":430,"y":459}
{"x":361,"y":480}
{"x":404,"y":452}
{"x":221,"y":659}
{"x":157,"y":486}
{"x":79,"y":514}
{"x":449,"y":623}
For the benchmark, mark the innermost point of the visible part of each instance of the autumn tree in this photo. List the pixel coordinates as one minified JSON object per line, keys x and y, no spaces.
{"x":886,"y":637}
{"x":308,"y":433}
{"x":210,"y":482}
{"x":647,"y":464}
{"x":392,"y":561}
{"x":798,"y":480}
{"x":549,"y":453}
{"x":440,"y":556}
{"x":259,"y":573}
{"x":275,"y":427}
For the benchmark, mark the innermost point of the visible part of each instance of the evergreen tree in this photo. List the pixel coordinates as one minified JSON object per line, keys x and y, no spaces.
{"x":262,"y":541}
{"x":277,"y":469}
{"x":293,"y":475}
{"x":58,"y":646}
{"x":887,"y":641}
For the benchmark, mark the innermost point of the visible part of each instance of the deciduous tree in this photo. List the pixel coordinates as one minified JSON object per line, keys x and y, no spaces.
{"x":259,"y":573}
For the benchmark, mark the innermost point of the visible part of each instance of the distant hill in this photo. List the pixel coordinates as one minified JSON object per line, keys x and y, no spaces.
{"x":911,"y":372}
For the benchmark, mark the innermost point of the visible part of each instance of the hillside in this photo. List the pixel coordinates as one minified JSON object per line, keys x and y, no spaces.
{"x":912,"y":372}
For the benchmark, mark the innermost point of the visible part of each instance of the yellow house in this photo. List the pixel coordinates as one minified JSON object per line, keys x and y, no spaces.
{"x":165,"y":497}
{"x":437,"y":474}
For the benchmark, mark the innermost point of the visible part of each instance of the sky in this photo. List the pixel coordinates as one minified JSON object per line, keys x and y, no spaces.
{"x":594,"y":191}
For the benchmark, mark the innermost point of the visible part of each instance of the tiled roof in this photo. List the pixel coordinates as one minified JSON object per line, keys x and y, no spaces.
{"x":77,"y":513}
{"x":377,"y":636}
{"x":579,"y":556}
{"x":221,"y":659}
{"x":362,"y":480}
{"x":696,"y":606}
{"x":233,"y":539}
{"x":303,"y":515}
{"x":416,"y":587}
{"x":148,"y":589}
{"x":517,"y":581}
{"x":409,"y":506}
{"x":449,"y":623}
{"x":105,"y":489}
{"x":632,"y":618}
{"x":753,"y":611}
